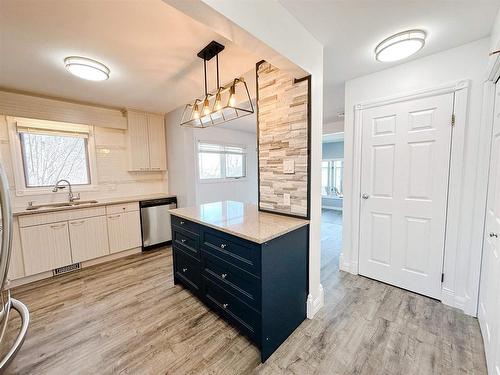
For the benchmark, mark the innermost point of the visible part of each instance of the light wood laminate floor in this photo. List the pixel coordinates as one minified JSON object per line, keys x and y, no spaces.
{"x":127,"y":317}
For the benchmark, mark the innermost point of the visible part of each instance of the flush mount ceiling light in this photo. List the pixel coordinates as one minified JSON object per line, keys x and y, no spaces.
{"x":221,"y":105}
{"x":400,"y":45}
{"x":86,"y":68}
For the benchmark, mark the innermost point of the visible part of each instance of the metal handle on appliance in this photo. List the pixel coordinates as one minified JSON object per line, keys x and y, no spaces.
{"x":6,"y":228}
{"x":25,"y":319}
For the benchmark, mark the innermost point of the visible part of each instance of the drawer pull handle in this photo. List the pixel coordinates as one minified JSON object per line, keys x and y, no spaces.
{"x":58,"y":226}
{"x":183,"y":240}
{"x":114,"y":217}
{"x":225,"y":305}
{"x":77,"y":222}
{"x":223,"y":246}
{"x":224,"y":275}
{"x":182,"y":223}
{"x":184,"y":269}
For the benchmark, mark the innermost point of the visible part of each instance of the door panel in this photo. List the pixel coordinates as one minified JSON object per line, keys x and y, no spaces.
{"x":88,"y":238}
{"x":489,"y":290}
{"x":404,"y":180}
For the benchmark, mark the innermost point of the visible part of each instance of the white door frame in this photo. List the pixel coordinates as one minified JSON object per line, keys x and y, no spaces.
{"x":461,"y":90}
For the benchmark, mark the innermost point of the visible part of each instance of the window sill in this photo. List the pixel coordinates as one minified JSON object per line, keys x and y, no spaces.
{"x":223,"y":180}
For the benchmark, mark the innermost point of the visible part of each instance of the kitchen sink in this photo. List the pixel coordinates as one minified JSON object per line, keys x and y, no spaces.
{"x":31,"y":206}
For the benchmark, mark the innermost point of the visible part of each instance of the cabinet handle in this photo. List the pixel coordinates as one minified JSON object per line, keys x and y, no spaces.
{"x":184,"y":269}
{"x":114,"y":216}
{"x":182,"y":223}
{"x":156,"y":168}
{"x":183,"y":240}
{"x":225,"y":305}
{"x":223,"y":246}
{"x":58,"y":226}
{"x":77,"y":222}
{"x":224,"y":275}
{"x":493,"y":235}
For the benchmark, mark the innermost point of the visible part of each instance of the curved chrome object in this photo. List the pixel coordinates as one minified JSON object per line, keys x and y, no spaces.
{"x":25,"y":318}
{"x":5,"y":251}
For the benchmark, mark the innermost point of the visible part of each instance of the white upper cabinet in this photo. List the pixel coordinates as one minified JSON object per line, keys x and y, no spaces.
{"x":157,"y":147}
{"x":146,"y":142}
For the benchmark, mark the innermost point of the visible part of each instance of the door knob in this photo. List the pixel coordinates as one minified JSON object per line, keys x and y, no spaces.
{"x":493,"y":235}
{"x":365,"y":196}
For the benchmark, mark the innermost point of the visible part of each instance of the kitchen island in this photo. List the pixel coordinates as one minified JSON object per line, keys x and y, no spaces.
{"x":248,"y":266}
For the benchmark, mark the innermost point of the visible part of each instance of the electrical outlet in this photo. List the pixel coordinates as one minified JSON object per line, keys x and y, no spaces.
{"x":286,"y":199}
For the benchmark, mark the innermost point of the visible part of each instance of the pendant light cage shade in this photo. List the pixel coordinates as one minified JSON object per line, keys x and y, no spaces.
{"x":227,"y":103}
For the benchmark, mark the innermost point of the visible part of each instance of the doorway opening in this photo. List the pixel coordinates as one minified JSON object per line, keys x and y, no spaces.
{"x":332,"y":197}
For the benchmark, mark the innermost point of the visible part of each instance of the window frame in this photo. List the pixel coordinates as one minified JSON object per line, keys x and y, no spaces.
{"x":331,"y":178}
{"x":19,"y":172}
{"x":223,"y":179}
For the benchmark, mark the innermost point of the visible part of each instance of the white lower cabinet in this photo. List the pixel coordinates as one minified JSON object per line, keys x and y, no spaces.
{"x":89,"y":238}
{"x":45,"y":247}
{"x":124,"y":231}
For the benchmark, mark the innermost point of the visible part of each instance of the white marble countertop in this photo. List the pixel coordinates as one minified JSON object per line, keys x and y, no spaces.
{"x":18,"y":211}
{"x":240,"y":219}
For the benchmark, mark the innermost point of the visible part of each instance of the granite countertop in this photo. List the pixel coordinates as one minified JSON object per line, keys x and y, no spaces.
{"x":240,"y":219}
{"x":19,"y":211}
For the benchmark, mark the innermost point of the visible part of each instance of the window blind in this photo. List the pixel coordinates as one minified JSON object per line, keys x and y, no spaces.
{"x":25,"y":125}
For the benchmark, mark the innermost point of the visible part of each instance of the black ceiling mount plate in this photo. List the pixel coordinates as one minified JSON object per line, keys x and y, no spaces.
{"x":213,"y":48}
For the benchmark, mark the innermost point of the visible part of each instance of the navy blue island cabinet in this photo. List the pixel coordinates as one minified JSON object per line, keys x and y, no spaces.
{"x":261,"y":288}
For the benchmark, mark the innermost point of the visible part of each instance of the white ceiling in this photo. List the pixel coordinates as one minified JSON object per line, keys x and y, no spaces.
{"x":149,"y":46}
{"x":350,"y":30}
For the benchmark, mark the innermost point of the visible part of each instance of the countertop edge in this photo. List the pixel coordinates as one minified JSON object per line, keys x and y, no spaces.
{"x":239,"y":234}
{"x":105,"y":202}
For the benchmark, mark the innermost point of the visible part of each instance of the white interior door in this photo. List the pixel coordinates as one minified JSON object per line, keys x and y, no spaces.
{"x":489,"y":290}
{"x":404,"y":185}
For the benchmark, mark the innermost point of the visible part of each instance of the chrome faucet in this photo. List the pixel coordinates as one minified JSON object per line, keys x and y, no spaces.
{"x":72,"y":197}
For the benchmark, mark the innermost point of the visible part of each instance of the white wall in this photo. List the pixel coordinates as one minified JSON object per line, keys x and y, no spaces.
{"x":465,"y":62}
{"x":113,"y":178}
{"x":182,"y":163}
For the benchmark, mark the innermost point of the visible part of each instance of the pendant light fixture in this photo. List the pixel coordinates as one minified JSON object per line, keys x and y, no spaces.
{"x":225,"y":103}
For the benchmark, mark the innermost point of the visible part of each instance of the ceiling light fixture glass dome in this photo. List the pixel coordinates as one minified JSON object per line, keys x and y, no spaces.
{"x":400,"y":45}
{"x":86,"y":68}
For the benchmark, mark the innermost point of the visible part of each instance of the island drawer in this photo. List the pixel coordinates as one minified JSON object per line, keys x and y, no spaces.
{"x":240,"y":253}
{"x":185,"y":224}
{"x":187,"y":241}
{"x":234,"y":310}
{"x":240,"y":283}
{"x":187,"y":270}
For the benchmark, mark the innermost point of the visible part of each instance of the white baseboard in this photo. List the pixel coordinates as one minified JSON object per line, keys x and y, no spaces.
{"x":343,"y":264}
{"x":449,"y":298}
{"x":315,"y":304}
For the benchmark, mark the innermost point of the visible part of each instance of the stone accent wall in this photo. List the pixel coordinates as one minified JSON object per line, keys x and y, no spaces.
{"x":283,"y":135}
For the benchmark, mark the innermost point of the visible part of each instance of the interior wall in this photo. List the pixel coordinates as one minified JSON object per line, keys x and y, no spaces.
{"x":333,"y":150}
{"x":113,"y":178}
{"x":183,"y":163}
{"x":468,"y":61}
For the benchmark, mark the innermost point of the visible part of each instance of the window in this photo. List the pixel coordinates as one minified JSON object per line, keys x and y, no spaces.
{"x":218,"y":161}
{"x":45,"y":152}
{"x":331,"y":178}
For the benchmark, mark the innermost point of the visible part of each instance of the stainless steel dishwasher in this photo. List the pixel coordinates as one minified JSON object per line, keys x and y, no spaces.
{"x":155,"y":222}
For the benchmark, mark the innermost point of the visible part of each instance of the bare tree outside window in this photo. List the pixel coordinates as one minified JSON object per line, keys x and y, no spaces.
{"x":48,"y":158}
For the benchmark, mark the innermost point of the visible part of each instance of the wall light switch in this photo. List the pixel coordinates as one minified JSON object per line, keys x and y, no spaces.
{"x":288,"y":166}
{"x":286,"y":199}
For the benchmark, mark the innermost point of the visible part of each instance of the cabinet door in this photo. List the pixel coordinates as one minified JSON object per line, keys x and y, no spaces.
{"x":16,"y":266}
{"x":124,"y":231}
{"x":89,"y":238}
{"x":45,"y":247}
{"x":157,"y":148}
{"x":138,"y":141}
